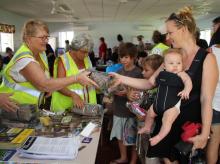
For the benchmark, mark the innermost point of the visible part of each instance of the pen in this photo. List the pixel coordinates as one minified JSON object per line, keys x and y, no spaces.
{"x":81,"y":147}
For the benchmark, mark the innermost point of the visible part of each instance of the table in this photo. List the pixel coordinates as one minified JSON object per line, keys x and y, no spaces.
{"x":85,"y":156}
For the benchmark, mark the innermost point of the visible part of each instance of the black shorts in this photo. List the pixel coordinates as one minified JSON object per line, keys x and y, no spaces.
{"x":215,"y":117}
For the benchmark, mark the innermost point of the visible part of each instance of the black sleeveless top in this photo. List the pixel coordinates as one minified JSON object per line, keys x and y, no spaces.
{"x":190,"y":110}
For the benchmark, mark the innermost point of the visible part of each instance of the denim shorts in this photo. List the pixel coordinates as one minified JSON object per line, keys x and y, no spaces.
{"x":215,"y":117}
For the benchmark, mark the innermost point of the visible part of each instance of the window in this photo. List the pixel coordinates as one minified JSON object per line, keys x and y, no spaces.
{"x":52,"y":42}
{"x":68,"y":35}
{"x":6,"y":40}
{"x":205,"y":34}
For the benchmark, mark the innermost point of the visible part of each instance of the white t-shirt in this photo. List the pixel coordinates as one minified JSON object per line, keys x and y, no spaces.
{"x":216,"y":100}
{"x":19,"y":65}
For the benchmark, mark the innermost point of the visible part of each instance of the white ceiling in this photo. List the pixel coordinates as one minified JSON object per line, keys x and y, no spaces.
{"x":147,"y":13}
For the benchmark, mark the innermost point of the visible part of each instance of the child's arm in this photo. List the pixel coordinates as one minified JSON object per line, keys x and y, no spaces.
{"x":187,"y":85}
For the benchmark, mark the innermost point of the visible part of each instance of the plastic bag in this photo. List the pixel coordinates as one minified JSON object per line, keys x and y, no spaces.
{"x":89,"y":110}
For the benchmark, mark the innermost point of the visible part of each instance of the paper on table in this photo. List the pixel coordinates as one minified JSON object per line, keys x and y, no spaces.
{"x":88,"y":129}
{"x":50,"y":148}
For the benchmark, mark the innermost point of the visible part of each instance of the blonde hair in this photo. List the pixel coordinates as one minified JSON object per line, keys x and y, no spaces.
{"x":31,"y":27}
{"x":154,"y":61}
{"x":172,"y":50}
{"x":185,"y":18}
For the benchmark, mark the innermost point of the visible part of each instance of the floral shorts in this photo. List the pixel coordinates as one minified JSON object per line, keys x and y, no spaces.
{"x":124,"y":129}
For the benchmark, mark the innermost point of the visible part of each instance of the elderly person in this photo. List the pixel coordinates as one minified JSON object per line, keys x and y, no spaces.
{"x":27,"y":74}
{"x":72,"y":63}
{"x":200,"y":66}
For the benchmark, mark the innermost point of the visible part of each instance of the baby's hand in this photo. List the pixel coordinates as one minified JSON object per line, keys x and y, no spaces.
{"x":184,"y":94}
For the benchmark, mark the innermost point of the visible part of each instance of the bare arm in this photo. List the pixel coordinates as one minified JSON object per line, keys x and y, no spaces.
{"x":209,"y":81}
{"x":35,"y":75}
{"x":135,"y":82}
{"x":187,"y":85}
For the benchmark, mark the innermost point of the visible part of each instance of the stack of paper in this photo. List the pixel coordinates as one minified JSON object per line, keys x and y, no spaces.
{"x":50,"y":148}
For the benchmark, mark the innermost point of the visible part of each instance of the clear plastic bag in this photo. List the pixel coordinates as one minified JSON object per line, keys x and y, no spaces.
{"x":25,"y":113}
{"x":89,"y":110}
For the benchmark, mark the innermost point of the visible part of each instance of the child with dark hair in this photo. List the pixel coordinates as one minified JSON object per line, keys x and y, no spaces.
{"x":124,"y":122}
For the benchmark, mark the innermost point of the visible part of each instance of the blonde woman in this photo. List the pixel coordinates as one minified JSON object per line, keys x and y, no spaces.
{"x":202,"y":68}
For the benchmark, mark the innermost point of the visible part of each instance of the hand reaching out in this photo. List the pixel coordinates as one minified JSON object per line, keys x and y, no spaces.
{"x":117,"y":79}
{"x":83,"y":79}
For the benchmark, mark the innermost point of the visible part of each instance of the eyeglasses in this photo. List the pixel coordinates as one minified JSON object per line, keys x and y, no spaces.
{"x":42,"y":37}
{"x":176,"y":18}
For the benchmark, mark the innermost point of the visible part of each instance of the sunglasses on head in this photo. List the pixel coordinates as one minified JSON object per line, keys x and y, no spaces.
{"x":176,"y":18}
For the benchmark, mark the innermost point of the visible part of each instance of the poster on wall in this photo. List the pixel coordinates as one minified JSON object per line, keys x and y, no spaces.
{"x":7,"y":28}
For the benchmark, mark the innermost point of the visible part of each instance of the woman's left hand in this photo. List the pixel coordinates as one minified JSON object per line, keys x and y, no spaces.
{"x":199,"y":141}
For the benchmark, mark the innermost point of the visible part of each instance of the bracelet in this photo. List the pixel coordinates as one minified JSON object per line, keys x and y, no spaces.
{"x":75,"y":77}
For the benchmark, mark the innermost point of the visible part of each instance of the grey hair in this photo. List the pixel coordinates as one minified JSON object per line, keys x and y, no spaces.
{"x":82,"y":41}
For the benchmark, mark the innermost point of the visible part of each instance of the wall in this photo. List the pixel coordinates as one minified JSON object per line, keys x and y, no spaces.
{"x":108,"y":30}
{"x":13,"y":19}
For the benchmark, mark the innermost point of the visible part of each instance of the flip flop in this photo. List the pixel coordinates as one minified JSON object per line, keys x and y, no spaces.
{"x":116,"y":161}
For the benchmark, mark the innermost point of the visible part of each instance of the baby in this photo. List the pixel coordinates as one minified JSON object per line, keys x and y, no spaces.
{"x":173,"y":85}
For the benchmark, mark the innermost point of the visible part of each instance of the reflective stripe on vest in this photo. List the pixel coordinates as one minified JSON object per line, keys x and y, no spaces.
{"x":78,"y":91}
{"x":61,"y":102}
{"x":66,"y":62}
{"x":18,"y":87}
{"x":21,"y":54}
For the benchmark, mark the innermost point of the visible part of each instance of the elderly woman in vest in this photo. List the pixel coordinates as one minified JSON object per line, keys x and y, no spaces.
{"x":72,"y":63}
{"x":27,"y":74}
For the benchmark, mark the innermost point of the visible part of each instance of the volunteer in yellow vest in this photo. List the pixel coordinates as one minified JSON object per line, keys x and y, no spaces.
{"x":27,"y":74}
{"x":160,"y":43}
{"x":72,"y":63}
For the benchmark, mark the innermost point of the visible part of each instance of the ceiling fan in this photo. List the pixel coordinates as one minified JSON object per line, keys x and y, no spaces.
{"x":60,"y":8}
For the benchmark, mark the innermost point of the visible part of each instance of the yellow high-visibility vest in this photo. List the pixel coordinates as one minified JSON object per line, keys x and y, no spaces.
{"x":61,"y":102}
{"x":159,"y":49}
{"x":23,"y":92}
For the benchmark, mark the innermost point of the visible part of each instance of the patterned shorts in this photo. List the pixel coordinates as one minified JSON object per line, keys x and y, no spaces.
{"x":124,"y":129}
